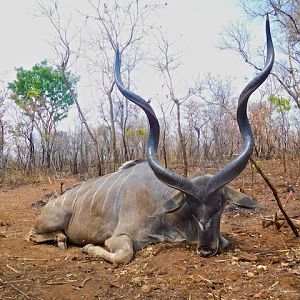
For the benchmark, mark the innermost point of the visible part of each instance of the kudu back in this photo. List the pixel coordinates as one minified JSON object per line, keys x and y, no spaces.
{"x":145,"y":203}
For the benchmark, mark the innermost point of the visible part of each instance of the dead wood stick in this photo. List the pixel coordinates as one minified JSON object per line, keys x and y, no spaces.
{"x":275,"y":251}
{"x":59,"y":282}
{"x":15,"y":288}
{"x":81,"y":285}
{"x":17,"y":281}
{"x":275,"y":193}
{"x":30,"y":259}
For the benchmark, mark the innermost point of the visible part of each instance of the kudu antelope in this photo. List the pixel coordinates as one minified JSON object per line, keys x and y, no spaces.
{"x":144,"y":203}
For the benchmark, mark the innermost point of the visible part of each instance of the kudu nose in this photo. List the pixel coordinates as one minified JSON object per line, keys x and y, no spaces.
{"x":205,"y":251}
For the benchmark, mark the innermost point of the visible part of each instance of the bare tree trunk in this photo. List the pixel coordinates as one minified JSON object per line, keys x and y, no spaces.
{"x":114,"y":156}
{"x":2,"y":164}
{"x":181,"y":140}
{"x":125,"y":117}
{"x":198,"y":141}
{"x":166,"y":64}
{"x":31,"y":154}
{"x":83,"y":120}
{"x":164,"y":147}
{"x":65,"y":55}
{"x":75,"y":163}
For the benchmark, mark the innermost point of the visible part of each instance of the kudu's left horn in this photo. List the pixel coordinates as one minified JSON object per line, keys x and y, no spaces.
{"x":165,"y":175}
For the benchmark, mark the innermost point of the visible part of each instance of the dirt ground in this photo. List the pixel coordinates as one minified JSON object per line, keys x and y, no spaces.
{"x":261,"y":263}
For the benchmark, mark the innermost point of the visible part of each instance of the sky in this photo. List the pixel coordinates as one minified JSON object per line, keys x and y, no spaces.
{"x":196,"y":26}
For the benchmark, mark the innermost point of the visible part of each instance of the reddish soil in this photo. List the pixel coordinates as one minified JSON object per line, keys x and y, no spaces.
{"x":261,"y":263}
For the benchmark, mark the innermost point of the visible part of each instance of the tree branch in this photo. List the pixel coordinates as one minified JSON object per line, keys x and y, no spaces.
{"x":275,"y":194}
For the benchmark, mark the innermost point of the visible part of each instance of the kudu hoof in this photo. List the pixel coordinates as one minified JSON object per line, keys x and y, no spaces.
{"x":85,"y":248}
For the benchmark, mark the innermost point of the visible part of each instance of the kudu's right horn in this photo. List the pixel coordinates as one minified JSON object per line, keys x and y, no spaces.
{"x":235,"y":167}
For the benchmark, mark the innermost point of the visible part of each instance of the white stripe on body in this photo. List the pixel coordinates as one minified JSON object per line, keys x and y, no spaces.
{"x":108,"y":191}
{"x":64,"y":199}
{"x":67,"y":193}
{"x":83,"y":201}
{"x":75,"y":201}
{"x":94,"y":196}
{"x":121,"y":184}
{"x":87,"y":193}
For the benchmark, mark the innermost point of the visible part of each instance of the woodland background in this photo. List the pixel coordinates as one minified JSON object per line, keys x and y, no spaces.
{"x":198,"y":125}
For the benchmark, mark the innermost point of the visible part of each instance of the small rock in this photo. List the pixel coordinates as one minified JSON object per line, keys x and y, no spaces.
{"x":138,"y":280}
{"x":296,"y":271}
{"x":247,"y":257}
{"x":274,"y":260}
{"x":236,"y":289}
{"x":288,"y":280}
{"x":233,"y":277}
{"x":261,"y":268}
{"x":146,"y":288}
{"x":164,"y":287}
{"x":2,"y":235}
{"x":284,"y":264}
{"x":250,"y":274}
{"x":161,"y":272}
{"x":182,"y":268}
{"x":261,"y":294}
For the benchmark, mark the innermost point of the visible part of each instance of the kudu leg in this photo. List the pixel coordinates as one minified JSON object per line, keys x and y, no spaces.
{"x":56,"y":236}
{"x":121,"y":250}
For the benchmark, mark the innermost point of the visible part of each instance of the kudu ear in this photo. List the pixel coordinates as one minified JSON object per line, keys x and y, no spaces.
{"x":177,"y":200}
{"x":239,"y":199}
{"x":174,"y":203}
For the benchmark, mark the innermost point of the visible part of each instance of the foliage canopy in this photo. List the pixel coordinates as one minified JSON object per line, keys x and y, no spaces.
{"x":43,"y":91}
{"x":281,"y":104}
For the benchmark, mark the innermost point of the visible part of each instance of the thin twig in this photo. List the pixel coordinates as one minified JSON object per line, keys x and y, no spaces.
{"x":30,"y":259}
{"x":274,"y":251}
{"x":284,"y":244}
{"x":275,"y":193}
{"x":11,"y":268}
{"x":59,"y":282}
{"x":205,"y":279}
{"x":273,"y":285}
